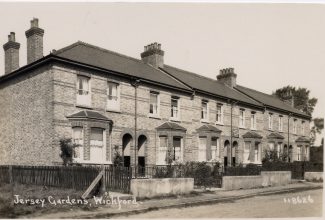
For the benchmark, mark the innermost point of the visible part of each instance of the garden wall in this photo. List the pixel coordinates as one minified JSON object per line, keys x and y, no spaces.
{"x":275,"y":178}
{"x":310,"y":176}
{"x":241,"y":182}
{"x":267,"y":178}
{"x":158,"y":187}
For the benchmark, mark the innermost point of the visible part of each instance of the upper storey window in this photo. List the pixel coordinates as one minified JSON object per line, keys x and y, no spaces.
{"x":270,"y":121}
{"x":113,"y":96}
{"x":295,"y":126}
{"x":83,"y":91}
{"x":280,"y":123}
{"x":242,"y":118}
{"x":174,"y":108}
{"x":219,"y":117}
{"x":154,"y":104}
{"x":204,"y":110}
{"x":253,"y":120}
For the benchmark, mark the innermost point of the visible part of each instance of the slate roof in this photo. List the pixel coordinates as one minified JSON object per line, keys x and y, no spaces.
{"x":86,"y":114}
{"x":275,"y":136}
{"x":171,"y":126}
{"x":99,"y":57}
{"x":208,"y":85}
{"x":269,"y":100}
{"x":303,"y":139}
{"x":251,"y":134}
{"x":209,"y":128}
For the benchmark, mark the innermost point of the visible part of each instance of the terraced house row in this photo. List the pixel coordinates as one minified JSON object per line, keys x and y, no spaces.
{"x":149,"y":112}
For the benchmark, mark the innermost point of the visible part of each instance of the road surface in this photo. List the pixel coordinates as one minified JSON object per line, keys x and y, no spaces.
{"x":299,"y":204}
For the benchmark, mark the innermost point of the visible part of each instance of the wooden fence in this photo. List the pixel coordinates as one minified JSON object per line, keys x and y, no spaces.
{"x":74,"y":177}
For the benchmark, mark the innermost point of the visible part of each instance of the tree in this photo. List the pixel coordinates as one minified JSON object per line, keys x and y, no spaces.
{"x":317,"y":129}
{"x":300,"y":96}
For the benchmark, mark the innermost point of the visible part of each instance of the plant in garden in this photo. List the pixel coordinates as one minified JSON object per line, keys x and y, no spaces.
{"x":67,"y":147}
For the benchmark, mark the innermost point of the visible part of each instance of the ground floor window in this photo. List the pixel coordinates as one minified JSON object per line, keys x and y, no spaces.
{"x":78,"y":139}
{"x":215,"y":148}
{"x":247,"y":147}
{"x":97,"y":145}
{"x":257,"y":153}
{"x":177,"y":148}
{"x":162,"y":152}
{"x":299,"y":154}
{"x":202,"y":149}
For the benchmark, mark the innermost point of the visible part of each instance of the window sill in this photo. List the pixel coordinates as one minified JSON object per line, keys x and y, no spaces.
{"x":241,"y":127}
{"x":174,"y":119}
{"x":114,"y":110}
{"x":253,"y":129}
{"x":84,"y":106}
{"x":154,"y":116}
{"x":220,"y":123}
{"x":204,"y":121}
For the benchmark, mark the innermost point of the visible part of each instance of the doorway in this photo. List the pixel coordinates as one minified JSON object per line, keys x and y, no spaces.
{"x":126,"y":154}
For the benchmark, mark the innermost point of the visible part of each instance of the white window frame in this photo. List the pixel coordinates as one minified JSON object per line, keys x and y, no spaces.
{"x":257,"y":154}
{"x":280,"y":123}
{"x":253,"y":120}
{"x":247,"y":151}
{"x":154,"y":114}
{"x":215,"y":150}
{"x":172,"y":117}
{"x":180,"y":159}
{"x":207,"y":111}
{"x":96,"y":144}
{"x":80,"y":142}
{"x":270,"y":121}
{"x":160,"y":160}
{"x":299,"y":154}
{"x":303,"y":128}
{"x":202,"y":150}
{"x":219,"y":115}
{"x":241,"y":118}
{"x":113,"y":105}
{"x":83,"y":99}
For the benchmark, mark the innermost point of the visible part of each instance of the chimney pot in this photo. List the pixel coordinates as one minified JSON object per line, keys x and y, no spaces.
{"x":34,"y":23}
{"x":153,"y":55}
{"x":227,"y":76}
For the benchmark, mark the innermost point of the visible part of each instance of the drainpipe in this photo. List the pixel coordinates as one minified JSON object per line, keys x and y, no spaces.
{"x":288,"y":136}
{"x":231,"y":131}
{"x":135,"y":84}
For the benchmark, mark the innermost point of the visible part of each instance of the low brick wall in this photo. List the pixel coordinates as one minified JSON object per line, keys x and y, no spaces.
{"x":158,"y":187}
{"x":275,"y":178}
{"x":310,"y":176}
{"x":267,"y":178}
{"x":241,"y":182}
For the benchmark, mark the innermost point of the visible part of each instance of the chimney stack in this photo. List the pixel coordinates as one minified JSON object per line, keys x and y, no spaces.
{"x":228,"y":77}
{"x":11,"y":49}
{"x":153,"y":55}
{"x":34,"y":41}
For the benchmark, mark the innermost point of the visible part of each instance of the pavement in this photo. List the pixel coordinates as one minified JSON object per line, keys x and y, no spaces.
{"x":213,"y":196}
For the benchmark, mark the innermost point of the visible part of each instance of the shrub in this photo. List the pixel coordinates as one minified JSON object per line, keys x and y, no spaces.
{"x":67,"y":150}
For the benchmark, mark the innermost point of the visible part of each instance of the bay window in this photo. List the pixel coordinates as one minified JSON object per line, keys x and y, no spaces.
{"x":97,"y":145}
{"x":202,"y":149}
{"x":77,"y":137}
{"x":162,"y":152}
{"x":247,"y":147}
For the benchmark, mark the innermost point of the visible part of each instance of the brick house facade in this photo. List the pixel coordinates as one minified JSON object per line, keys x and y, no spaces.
{"x":109,"y":103}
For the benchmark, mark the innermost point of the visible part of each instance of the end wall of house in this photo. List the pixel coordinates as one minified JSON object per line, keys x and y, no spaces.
{"x":26,"y":118}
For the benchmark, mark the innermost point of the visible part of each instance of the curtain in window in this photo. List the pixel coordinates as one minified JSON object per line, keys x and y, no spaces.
{"x":247,"y":148}
{"x":78,"y":139}
{"x":202,"y":149}
{"x":112,"y":91}
{"x":153,"y":103}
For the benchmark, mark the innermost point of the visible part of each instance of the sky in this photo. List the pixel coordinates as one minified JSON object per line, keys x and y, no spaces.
{"x":268,"y":45}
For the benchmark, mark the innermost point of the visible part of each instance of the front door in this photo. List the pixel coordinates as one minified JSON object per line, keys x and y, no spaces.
{"x":141,"y":165}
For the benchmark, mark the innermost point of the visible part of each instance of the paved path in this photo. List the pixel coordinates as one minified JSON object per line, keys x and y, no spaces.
{"x":219,"y":196}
